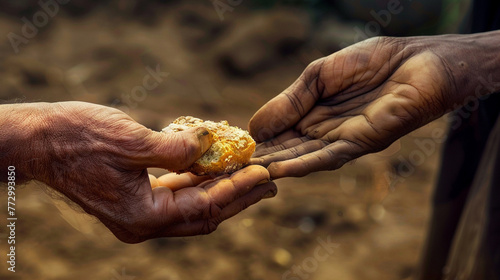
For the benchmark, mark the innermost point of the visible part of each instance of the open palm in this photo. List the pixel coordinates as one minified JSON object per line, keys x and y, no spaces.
{"x":353,"y":102}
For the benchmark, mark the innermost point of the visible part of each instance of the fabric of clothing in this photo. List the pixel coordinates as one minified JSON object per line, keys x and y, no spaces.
{"x":464,"y":237}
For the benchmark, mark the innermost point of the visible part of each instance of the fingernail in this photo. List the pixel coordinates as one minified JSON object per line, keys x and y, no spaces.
{"x":269,"y":194}
{"x":205,"y":138}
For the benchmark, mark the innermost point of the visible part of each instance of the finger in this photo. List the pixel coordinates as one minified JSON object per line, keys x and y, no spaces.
{"x":283,"y":137}
{"x":209,"y":225}
{"x":283,"y":141}
{"x":174,"y":151}
{"x":262,"y":151}
{"x":241,"y":183}
{"x":197,"y":203}
{"x":161,"y":209}
{"x":291,"y":153}
{"x":359,"y":68}
{"x":286,"y":109}
{"x":330,"y":157}
{"x":176,"y":181}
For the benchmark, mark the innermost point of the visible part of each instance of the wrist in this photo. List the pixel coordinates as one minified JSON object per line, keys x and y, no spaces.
{"x":23,"y":128}
{"x":472,"y":63}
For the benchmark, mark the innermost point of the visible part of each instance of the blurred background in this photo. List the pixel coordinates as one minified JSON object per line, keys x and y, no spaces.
{"x":219,"y":59}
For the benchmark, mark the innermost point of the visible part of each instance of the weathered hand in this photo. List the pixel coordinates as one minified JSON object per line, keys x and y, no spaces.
{"x":361,"y":99}
{"x":97,"y":156}
{"x":203,"y":202}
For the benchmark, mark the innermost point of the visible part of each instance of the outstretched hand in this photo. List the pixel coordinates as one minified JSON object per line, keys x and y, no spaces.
{"x":353,"y":102}
{"x":97,"y":156}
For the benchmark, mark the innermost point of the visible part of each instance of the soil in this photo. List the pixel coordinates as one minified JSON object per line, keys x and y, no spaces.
{"x":218,"y":69}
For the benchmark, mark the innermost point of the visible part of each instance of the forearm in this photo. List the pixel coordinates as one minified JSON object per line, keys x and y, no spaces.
{"x":472,"y":61}
{"x":22,"y":130}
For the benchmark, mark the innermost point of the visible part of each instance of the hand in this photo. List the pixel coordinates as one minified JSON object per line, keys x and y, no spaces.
{"x":362,"y":98}
{"x":203,"y":202}
{"x":97,"y":156}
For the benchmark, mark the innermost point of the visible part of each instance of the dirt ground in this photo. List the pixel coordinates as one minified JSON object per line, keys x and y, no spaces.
{"x":373,"y":221}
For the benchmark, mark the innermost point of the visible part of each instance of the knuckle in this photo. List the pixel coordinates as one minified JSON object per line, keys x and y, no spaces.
{"x":214,"y":210}
{"x":191,"y":147}
{"x":312,"y":70}
{"x":294,"y":152}
{"x":210,"y":226}
{"x":183,"y":147}
{"x":315,"y":64}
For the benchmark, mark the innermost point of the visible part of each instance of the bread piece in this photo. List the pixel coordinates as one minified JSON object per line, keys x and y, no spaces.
{"x":230,"y":151}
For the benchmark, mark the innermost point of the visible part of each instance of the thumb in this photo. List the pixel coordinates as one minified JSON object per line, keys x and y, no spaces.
{"x":285,"y":110}
{"x":176,"y":151}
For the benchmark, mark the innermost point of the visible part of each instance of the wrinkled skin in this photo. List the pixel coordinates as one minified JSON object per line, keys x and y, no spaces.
{"x":358,"y":101}
{"x":97,"y":156}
